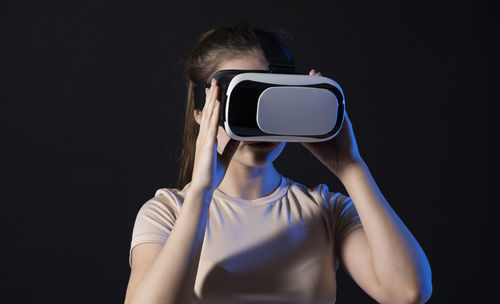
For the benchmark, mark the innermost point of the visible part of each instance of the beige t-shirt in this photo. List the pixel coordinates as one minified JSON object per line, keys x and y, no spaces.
{"x":280,"y":248}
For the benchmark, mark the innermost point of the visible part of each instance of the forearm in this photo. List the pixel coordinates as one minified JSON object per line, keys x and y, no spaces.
{"x":171,"y":278}
{"x":399,"y":262}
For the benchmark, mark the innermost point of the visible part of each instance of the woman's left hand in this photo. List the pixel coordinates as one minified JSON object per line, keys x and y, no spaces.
{"x":340,"y":152}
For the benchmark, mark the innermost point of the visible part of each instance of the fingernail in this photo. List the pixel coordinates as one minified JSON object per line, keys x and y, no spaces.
{"x":213,"y":81}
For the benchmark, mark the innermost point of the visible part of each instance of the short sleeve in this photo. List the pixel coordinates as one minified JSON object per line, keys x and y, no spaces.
{"x":345,"y":219}
{"x":155,"y":220}
{"x":346,"y":216}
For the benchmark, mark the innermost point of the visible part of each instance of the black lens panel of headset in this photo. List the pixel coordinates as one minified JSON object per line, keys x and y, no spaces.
{"x":242,"y":114}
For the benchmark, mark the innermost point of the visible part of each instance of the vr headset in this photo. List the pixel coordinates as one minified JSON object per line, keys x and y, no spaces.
{"x":276,"y":104}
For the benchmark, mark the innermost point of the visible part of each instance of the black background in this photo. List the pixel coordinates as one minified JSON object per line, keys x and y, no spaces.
{"x":92,"y":104}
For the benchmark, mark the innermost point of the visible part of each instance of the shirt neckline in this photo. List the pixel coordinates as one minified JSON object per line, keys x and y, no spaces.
{"x":273,"y":196}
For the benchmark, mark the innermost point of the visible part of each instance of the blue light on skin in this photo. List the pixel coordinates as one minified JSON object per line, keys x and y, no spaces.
{"x":251,"y":173}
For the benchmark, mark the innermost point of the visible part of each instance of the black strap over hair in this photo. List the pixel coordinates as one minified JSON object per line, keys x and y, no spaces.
{"x":277,"y":55}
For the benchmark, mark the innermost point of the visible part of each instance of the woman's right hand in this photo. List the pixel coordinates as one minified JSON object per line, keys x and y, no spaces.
{"x":209,"y":166}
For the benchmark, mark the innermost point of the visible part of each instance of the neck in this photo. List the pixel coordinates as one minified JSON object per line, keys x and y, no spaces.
{"x":250,"y":182}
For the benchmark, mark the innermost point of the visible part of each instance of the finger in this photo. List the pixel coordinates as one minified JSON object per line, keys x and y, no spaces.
{"x":214,"y":120}
{"x":203,"y":110}
{"x":215,"y":113}
{"x":215,"y":95}
{"x":312,"y":72}
{"x":213,"y":89}
{"x":207,"y":94}
{"x":207,"y":109}
{"x":318,"y":74}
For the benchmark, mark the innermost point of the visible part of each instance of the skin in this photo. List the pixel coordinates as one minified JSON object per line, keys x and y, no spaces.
{"x":250,"y":174}
{"x":382,"y":256}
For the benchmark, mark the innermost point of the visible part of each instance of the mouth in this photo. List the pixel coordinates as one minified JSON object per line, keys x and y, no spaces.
{"x":261,"y":145}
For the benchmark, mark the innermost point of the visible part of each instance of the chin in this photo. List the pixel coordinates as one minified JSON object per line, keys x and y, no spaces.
{"x":260,"y":159}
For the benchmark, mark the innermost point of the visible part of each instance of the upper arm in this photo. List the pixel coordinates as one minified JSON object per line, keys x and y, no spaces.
{"x":143,"y":257}
{"x":152,"y":228}
{"x":356,"y":258}
{"x":353,"y":250}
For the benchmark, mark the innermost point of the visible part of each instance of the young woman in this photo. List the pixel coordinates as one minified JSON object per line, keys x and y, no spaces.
{"x":236,"y":231}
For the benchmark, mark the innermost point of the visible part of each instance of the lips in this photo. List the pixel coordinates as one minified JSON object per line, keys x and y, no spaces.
{"x":261,"y":145}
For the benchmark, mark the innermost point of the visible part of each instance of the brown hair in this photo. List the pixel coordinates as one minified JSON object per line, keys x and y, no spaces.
{"x":211,"y":49}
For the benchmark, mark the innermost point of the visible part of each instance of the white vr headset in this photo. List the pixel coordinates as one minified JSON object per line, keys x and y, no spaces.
{"x":276,"y":104}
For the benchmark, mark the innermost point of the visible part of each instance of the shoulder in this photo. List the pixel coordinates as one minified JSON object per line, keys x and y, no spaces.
{"x":158,"y":214}
{"x":320,"y":193}
{"x":165,"y":200}
{"x":170,"y":195}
